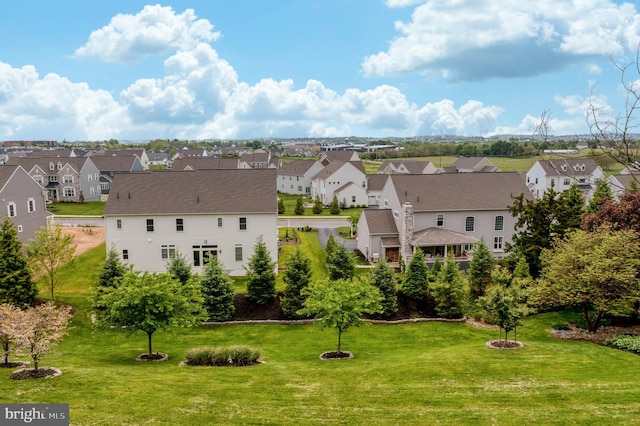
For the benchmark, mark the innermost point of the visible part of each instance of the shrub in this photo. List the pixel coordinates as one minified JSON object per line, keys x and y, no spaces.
{"x":625,"y":341}
{"x":560,"y":326}
{"x":221,"y":356}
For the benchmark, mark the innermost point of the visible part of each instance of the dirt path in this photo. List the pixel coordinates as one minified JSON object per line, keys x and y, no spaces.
{"x":85,"y":238}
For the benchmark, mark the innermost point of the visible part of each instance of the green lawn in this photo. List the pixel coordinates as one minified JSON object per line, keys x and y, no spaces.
{"x":90,"y":208}
{"x":421,"y":373}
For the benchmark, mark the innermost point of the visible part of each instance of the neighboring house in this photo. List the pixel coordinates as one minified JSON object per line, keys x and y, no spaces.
{"x":375,"y":183}
{"x":622,"y":182}
{"x":333,"y":180}
{"x":190,"y":153}
{"x":158,"y":158}
{"x":328,"y":157}
{"x":562,"y":173}
{"x":413,"y":167}
{"x":152,"y":216}
{"x":256,"y":160}
{"x":440,"y":213}
{"x":109,"y":165}
{"x":72,"y":179}
{"x":141,"y":154}
{"x":473,"y":165}
{"x":295,"y":177}
{"x":198,"y":163}
{"x":23,"y":202}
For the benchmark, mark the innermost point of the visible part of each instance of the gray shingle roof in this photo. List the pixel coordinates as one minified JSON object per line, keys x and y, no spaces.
{"x":197,"y":163}
{"x":296,"y":167}
{"x":193,"y":192}
{"x":555,"y":167}
{"x":380,"y":221}
{"x":459,"y":191}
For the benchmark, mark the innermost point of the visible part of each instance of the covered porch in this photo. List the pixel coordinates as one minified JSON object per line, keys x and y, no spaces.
{"x":439,"y":242}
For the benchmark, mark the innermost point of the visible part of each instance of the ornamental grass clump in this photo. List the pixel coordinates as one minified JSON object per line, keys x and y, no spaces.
{"x":220,"y":356}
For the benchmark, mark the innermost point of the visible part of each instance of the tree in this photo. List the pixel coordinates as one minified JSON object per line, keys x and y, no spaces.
{"x":217,"y":293}
{"x":261,"y":276}
{"x":354,"y":218}
{"x":340,"y":264}
{"x":502,"y":307}
{"x":384,"y":279}
{"x":16,"y":286}
{"x":48,"y":253}
{"x":112,"y":272}
{"x":600,"y":194}
{"x":296,"y":277}
{"x":317,"y":206}
{"x":595,"y":271}
{"x":281,"y":208}
{"x":416,"y":280}
{"x":436,"y":267}
{"x":299,"y":210}
{"x":334,"y":208}
{"x":480,"y":268}
{"x":180,"y":268}
{"x":41,"y":329}
{"x":623,"y":214}
{"x":151,"y":302}
{"x":331,"y":245}
{"x":448,"y":290}
{"x":10,"y":321}
{"x":341,"y":304}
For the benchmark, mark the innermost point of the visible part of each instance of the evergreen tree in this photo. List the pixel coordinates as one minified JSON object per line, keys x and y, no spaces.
{"x":281,"y":208}
{"x":384,"y":278}
{"x":16,"y":286}
{"x":218,"y":295}
{"x":340,"y":264}
{"x":437,"y":266}
{"x":112,"y":271}
{"x":331,"y":245}
{"x":317,"y":206}
{"x":180,"y":268}
{"x":261,"y":276}
{"x":297,"y":276}
{"x":569,"y":209}
{"x":416,"y":280}
{"x":522,"y":269}
{"x":299,"y":210}
{"x":480,"y":269}
{"x":600,"y":194}
{"x":448,"y":290}
{"x":334,"y":208}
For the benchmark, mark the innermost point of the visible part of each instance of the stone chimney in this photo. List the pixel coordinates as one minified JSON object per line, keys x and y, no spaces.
{"x":406,"y":232}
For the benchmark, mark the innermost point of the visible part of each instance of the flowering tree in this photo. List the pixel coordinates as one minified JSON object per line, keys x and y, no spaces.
{"x":10,"y":318}
{"x":41,"y":329}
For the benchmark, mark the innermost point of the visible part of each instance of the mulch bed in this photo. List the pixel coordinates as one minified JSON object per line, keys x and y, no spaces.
{"x":600,"y":336}
{"x":335,"y":355}
{"x":40,"y":373}
{"x":156,"y":356}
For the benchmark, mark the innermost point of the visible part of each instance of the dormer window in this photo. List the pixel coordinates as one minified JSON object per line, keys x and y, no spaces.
{"x":52,"y":166}
{"x":59,"y":165}
{"x":564,"y":167}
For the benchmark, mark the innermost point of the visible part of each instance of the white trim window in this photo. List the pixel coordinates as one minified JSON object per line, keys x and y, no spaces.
{"x":440,"y":220}
{"x":12,"y":210}
{"x":69,"y":191}
{"x":498,"y":243}
{"x":31,"y":205}
{"x":67,"y":179}
{"x":238,"y":248}
{"x":499,"y":223}
{"x":168,"y":251}
{"x":470,"y":224}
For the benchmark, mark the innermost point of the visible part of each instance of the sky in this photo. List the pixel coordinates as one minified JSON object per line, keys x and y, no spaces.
{"x":248,"y":69}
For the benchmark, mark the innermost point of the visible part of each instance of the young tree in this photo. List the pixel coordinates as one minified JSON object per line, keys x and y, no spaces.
{"x":340,"y":264}
{"x":281,"y":208}
{"x":384,"y":279}
{"x":48,"y":253}
{"x":334,"y":208}
{"x":354,"y":218}
{"x":317,"y":206}
{"x":11,"y":318}
{"x":180,"y":268}
{"x":436,"y":267}
{"x":341,"y":304}
{"x":502,"y":307}
{"x":41,"y":329}
{"x":331,"y":245}
{"x":16,"y":286}
{"x":151,"y":302}
{"x":217,"y":292}
{"x":600,"y":194}
{"x":299,"y":210}
{"x":595,"y":271}
{"x":480,"y":268}
{"x":416,"y":279}
{"x":297,"y":276}
{"x":261,"y":276}
{"x":112,"y":271}
{"x":448,"y":290}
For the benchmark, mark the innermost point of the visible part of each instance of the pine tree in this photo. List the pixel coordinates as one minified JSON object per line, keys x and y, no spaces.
{"x":218,"y":295}
{"x":384,"y":278}
{"x":334,"y":208}
{"x":297,"y":276}
{"x":331,"y":245}
{"x":448,"y":291}
{"x":480,"y":269}
{"x":416,"y":281}
{"x":112,"y":272}
{"x":16,"y":286}
{"x":180,"y":268}
{"x":340,"y":264}
{"x":317,"y":206}
{"x":261,"y":276}
{"x":299,"y":206}
{"x":281,"y":208}
{"x":437,"y":266}
{"x":601,"y":193}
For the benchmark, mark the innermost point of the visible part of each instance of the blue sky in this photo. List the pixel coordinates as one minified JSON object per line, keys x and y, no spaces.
{"x":242,"y":69}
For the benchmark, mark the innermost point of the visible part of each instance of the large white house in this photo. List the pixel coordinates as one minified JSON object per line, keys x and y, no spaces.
{"x":562,"y":173}
{"x":152,"y":216}
{"x":295,"y":177}
{"x":440,"y":213}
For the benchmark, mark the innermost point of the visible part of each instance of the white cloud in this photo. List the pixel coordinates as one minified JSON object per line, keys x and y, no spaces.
{"x":154,"y":30}
{"x":479,"y":39}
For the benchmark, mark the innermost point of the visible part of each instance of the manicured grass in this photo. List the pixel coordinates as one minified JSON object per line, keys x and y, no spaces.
{"x":90,"y":208}
{"x":289,"y":202}
{"x":421,"y":373}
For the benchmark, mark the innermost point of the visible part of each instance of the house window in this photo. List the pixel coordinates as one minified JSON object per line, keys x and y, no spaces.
{"x":440,"y":219}
{"x":179,"y":224}
{"x":219,"y":222}
{"x":119,"y":223}
{"x":498,"y":243}
{"x":353,"y":198}
{"x":553,"y":182}
{"x":19,"y":228}
{"x":52,"y":166}
{"x":97,"y":176}
{"x":92,"y":190}
{"x":11,"y":209}
{"x":39,"y":179}
{"x":53,"y":178}
{"x":386,"y":204}
{"x":168,"y":251}
{"x":243,"y":223}
{"x":59,"y":166}
{"x":69,"y":192}
{"x":125,"y":254}
{"x":238,"y":253}
{"x":567,"y":182}
{"x":499,"y":225}
{"x":31,"y":205}
{"x":470,"y":224}
{"x":299,"y":188}
{"x":90,"y":177}
{"x":104,"y":186}
{"x":149,"y":225}
{"x":201,"y":254}
{"x":468,"y":248}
